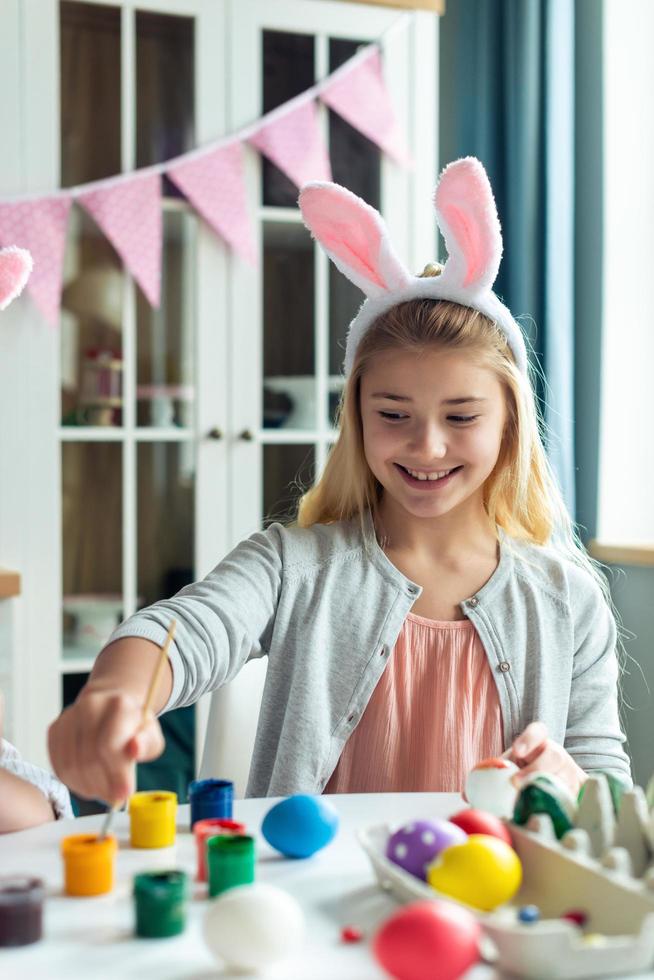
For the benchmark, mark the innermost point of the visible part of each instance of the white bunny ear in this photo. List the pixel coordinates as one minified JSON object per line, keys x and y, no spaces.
{"x":354,"y":236}
{"x":467,"y":216}
{"x":15,"y":268}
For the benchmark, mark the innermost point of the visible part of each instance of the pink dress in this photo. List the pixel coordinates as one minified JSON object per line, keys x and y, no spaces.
{"x":434,"y":714}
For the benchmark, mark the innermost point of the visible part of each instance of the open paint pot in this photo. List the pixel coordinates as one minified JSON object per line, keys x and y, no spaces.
{"x":152,"y":819}
{"x":230,"y":859}
{"x":88,"y":864}
{"x":160,"y":901}
{"x":211,"y":799}
{"x":203,"y":830}
{"x":21,"y":910}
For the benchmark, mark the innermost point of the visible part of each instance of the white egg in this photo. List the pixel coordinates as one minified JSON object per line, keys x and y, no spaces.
{"x":489,"y":787}
{"x":252,"y":926}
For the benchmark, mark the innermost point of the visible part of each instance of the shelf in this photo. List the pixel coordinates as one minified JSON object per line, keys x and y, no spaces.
{"x":622,"y":554}
{"x":76,"y":665}
{"x":9,"y":583}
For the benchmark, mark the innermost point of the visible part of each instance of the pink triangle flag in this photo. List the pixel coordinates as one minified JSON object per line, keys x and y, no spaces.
{"x":129,"y":213}
{"x":360,"y":96}
{"x":293,"y":141}
{"x":39,"y":226}
{"x":214,"y":184}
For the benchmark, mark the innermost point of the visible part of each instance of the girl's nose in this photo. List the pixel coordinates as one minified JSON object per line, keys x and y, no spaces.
{"x":430,"y":441}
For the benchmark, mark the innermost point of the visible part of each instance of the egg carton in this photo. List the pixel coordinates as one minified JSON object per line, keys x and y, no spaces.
{"x":602,"y":866}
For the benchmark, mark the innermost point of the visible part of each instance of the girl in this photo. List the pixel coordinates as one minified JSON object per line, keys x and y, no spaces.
{"x":431,"y":605}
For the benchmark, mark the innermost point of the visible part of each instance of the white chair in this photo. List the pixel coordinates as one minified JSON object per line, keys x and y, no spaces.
{"x":231,"y":726}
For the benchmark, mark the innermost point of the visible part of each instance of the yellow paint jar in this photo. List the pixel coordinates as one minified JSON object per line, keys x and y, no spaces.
{"x":88,"y":864}
{"x":152,"y":819}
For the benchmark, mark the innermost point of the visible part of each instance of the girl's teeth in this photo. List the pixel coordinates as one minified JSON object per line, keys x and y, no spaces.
{"x":428,"y":476}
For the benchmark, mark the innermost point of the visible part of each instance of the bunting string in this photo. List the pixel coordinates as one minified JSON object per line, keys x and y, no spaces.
{"x":127,"y":206}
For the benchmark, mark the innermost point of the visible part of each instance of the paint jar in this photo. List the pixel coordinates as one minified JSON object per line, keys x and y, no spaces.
{"x":152,"y":819}
{"x":203,"y":830}
{"x":160,"y":903}
{"x":210,"y":799}
{"x":230,"y":859}
{"x":21,"y":910}
{"x":88,"y":864}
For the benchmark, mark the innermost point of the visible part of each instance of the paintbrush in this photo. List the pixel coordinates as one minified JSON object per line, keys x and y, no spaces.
{"x":154,"y":680}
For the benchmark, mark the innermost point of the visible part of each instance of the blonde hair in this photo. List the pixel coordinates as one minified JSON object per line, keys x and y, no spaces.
{"x":521,"y":495}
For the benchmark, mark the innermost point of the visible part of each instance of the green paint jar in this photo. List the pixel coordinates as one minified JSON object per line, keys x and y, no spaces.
{"x":160,"y":900}
{"x":230,"y":859}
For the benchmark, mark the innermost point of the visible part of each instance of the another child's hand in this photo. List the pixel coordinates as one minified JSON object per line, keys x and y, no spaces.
{"x":95,"y":742}
{"x":533,"y":752}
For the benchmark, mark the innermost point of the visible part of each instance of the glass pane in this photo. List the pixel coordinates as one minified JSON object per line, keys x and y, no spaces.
{"x":288,"y":354}
{"x":165,"y":104}
{"x":165,"y":386}
{"x":91,"y":328}
{"x":356,"y":161}
{"x":288,"y":70}
{"x":90,"y":91}
{"x":287,"y":473}
{"x":92,"y":544}
{"x":166,"y":525}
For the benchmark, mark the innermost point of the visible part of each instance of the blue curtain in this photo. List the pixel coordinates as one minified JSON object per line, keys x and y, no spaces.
{"x":507,"y":92}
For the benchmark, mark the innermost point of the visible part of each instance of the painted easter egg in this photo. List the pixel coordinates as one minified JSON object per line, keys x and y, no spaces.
{"x":415,"y":845}
{"x":480,"y":822}
{"x":250,"y":927}
{"x":489,"y":787}
{"x":428,"y":939}
{"x":300,"y":825}
{"x":483,"y":872}
{"x":543,"y":793}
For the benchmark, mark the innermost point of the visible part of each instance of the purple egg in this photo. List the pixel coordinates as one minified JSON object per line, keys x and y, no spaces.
{"x":415,"y":845}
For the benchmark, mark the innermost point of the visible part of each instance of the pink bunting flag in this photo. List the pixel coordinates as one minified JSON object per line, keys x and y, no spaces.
{"x":129,"y":213}
{"x":214,"y":184}
{"x":39,"y":225}
{"x":294,"y":143}
{"x":360,"y":96}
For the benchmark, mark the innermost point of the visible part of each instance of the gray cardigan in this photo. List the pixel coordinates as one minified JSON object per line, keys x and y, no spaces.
{"x":326,"y":605}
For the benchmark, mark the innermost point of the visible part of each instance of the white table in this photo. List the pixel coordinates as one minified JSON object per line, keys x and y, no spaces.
{"x":93,"y":937}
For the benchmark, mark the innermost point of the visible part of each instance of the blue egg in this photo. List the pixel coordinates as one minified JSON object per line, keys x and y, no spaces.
{"x":300,"y":825}
{"x":529,"y":914}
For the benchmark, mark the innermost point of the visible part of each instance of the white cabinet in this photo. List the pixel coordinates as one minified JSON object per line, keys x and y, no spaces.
{"x":143,"y":445}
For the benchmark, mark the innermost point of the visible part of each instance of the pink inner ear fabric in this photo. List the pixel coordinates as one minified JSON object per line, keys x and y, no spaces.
{"x":350,"y":233}
{"x":475,"y":250}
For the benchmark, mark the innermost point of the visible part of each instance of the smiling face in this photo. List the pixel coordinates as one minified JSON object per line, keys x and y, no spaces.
{"x":432,"y":429}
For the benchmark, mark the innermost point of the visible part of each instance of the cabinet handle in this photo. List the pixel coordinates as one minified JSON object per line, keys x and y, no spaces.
{"x":246,"y":435}
{"x":215,"y":433}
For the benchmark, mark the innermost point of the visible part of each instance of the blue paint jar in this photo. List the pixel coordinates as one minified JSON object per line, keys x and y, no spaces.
{"x":211,"y":799}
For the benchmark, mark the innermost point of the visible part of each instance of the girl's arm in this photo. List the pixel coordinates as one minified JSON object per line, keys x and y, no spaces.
{"x":22,"y":804}
{"x":221,"y":623}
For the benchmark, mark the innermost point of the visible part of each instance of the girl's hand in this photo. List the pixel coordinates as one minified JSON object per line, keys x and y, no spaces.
{"x":533,"y":752}
{"x":95,"y":742}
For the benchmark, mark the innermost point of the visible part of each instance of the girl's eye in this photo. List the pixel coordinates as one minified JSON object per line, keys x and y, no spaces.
{"x":462,"y":418}
{"x":393,"y":416}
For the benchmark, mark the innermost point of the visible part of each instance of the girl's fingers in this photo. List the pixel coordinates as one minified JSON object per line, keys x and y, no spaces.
{"x":529,"y":745}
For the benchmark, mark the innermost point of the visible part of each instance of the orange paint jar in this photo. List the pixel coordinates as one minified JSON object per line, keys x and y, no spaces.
{"x":88,"y":864}
{"x":152,"y":819}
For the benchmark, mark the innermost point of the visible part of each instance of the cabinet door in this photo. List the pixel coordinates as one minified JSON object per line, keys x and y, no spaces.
{"x":291,"y":314}
{"x":137,"y":468}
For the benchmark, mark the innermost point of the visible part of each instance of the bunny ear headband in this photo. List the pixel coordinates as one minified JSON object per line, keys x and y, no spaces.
{"x":356,"y":239}
{"x":15,"y":268}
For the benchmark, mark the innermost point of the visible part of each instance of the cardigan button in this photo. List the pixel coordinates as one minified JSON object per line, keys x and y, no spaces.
{"x":505,"y":666}
{"x":350,"y":719}
{"x":473,"y":602}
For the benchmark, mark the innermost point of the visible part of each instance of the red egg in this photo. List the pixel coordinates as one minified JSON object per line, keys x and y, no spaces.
{"x":480,"y":822}
{"x":426,"y":940}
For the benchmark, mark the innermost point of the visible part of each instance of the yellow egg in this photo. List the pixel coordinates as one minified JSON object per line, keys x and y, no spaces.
{"x":483,"y":872}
